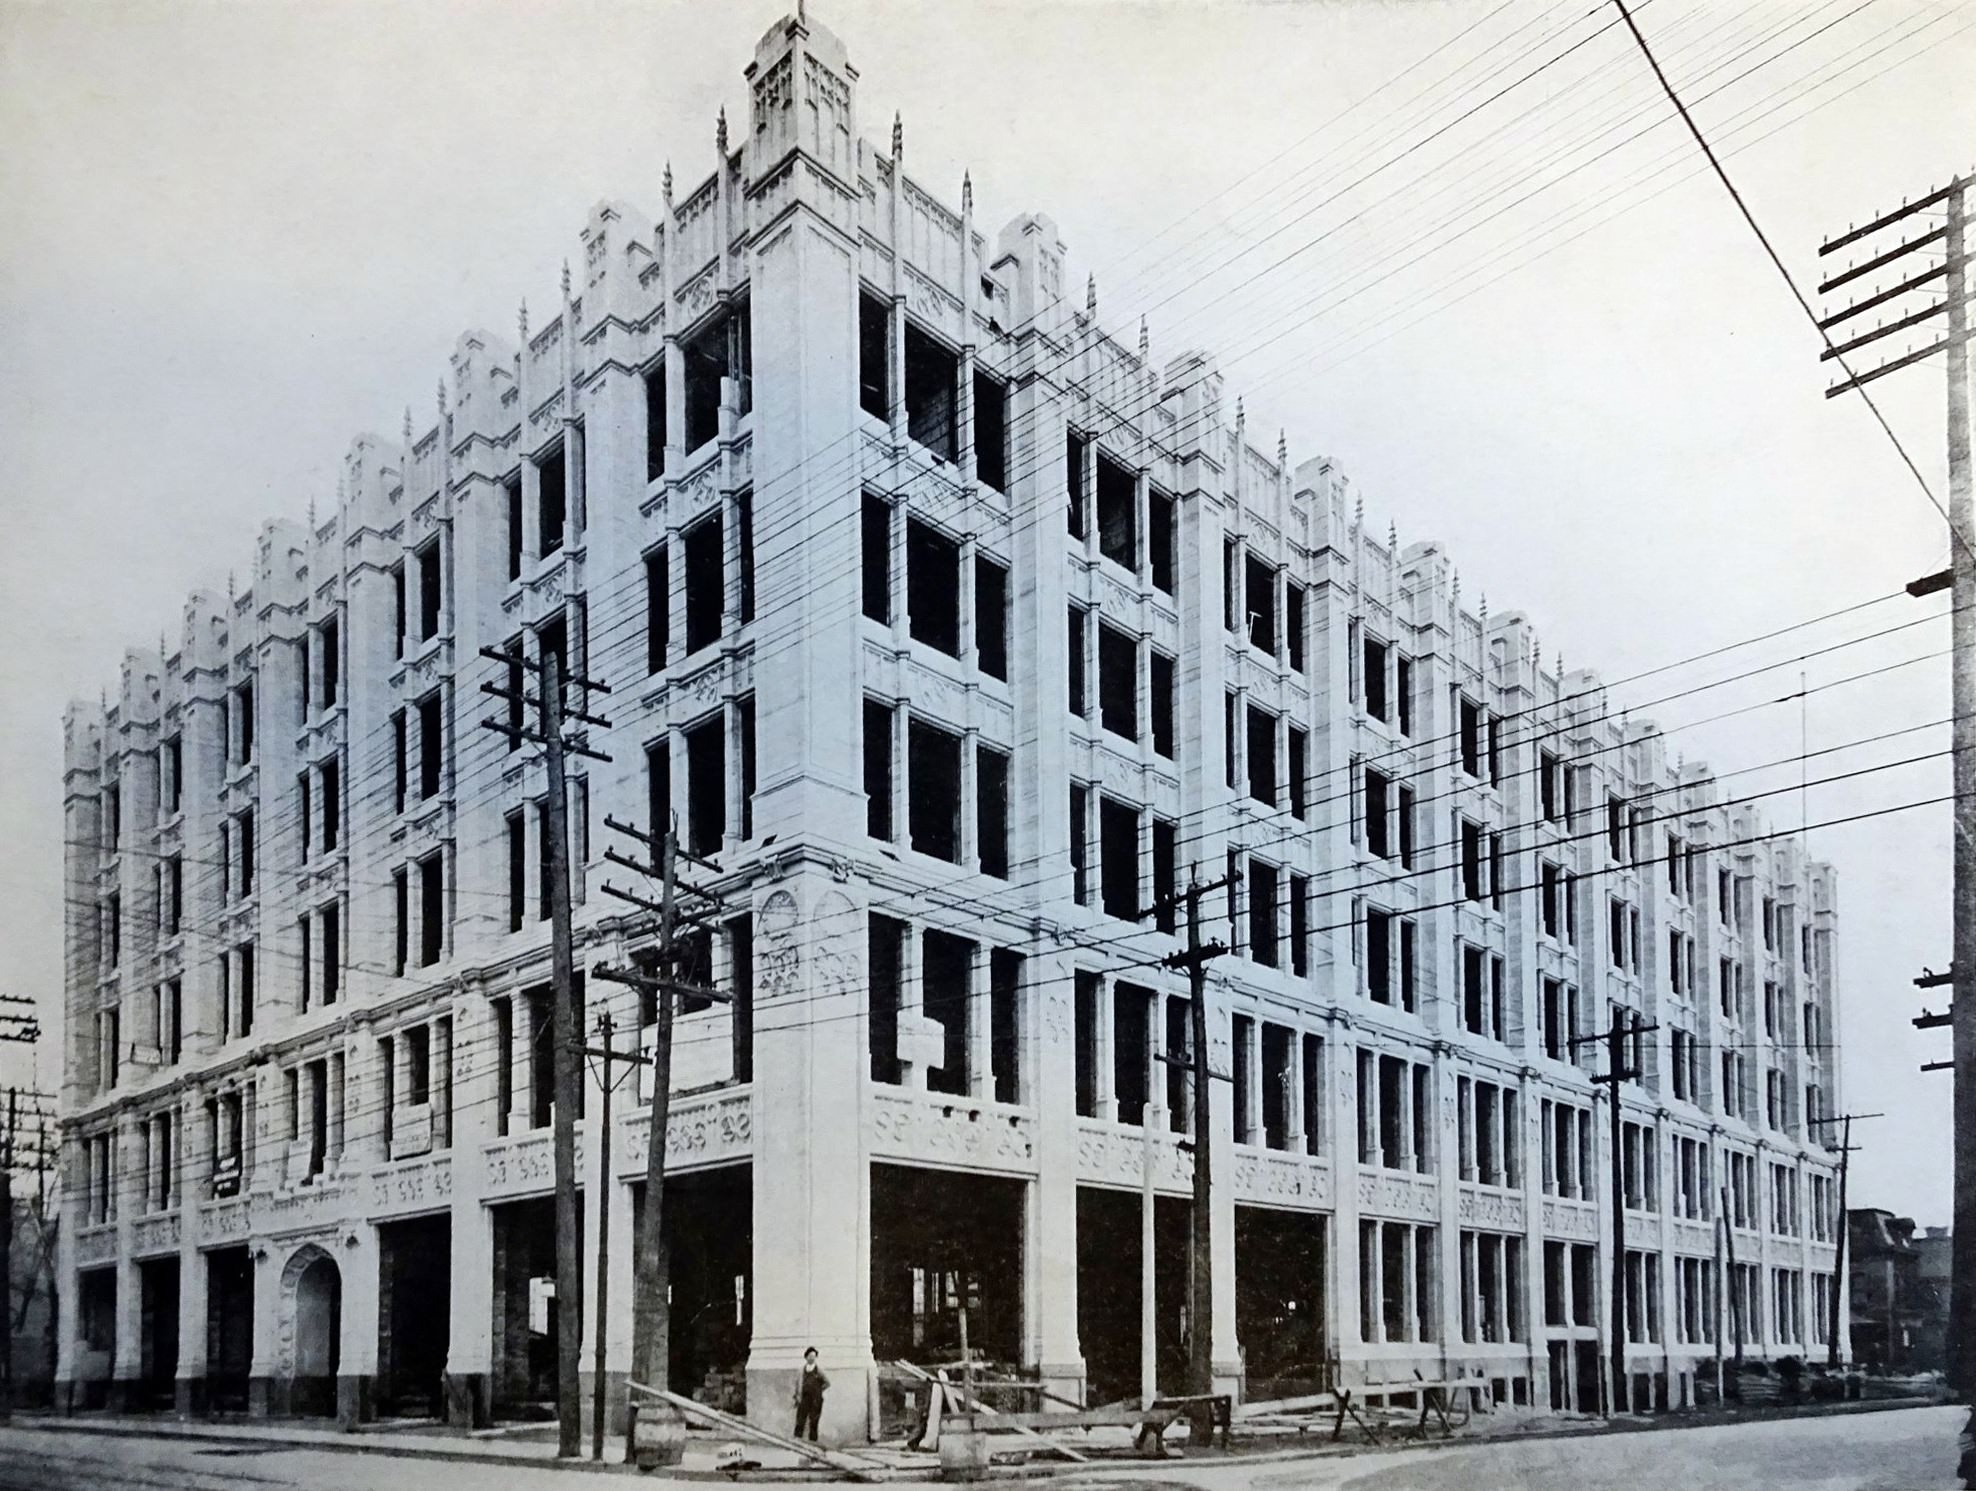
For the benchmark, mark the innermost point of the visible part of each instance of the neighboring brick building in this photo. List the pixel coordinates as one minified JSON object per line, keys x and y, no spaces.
{"x":958,"y":630}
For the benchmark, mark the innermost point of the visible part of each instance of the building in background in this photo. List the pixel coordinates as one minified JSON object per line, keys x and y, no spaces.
{"x":1888,"y":1306}
{"x":31,"y":1299}
{"x":958,"y":631}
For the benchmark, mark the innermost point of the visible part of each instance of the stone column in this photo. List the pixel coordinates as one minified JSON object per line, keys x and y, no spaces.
{"x":192,"y":1156}
{"x":1050,"y":1238}
{"x":356,"y":1252}
{"x":127,"y":1200}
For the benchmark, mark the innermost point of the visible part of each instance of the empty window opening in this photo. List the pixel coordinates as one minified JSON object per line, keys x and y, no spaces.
{"x":744,"y":523}
{"x":1278,"y":1053}
{"x":933,"y":588}
{"x":877,"y":558}
{"x":1293,"y":626}
{"x":431,"y":590}
{"x":432,"y":757}
{"x":722,"y":350}
{"x":991,"y":617}
{"x":1378,"y":787}
{"x":1166,"y":872}
{"x":1085,"y":1020}
{"x":1261,"y":888}
{"x":1079,"y":700}
{"x":1375,"y":679}
{"x":332,"y":663}
{"x":991,"y":432}
{"x":885,"y":940}
{"x":658,"y":609}
{"x":946,"y":968}
{"x":706,"y":784}
{"x":932,"y":377}
{"x":1118,"y":682}
{"x":706,"y":581}
{"x":1162,"y":681}
{"x":1243,"y":1029}
{"x":878,"y":768}
{"x":1005,"y":1023}
{"x":513,"y":489}
{"x":1299,"y":925}
{"x":1299,"y":772}
{"x":1470,"y":715}
{"x":1080,"y":807}
{"x":1262,"y":756}
{"x":991,"y":814}
{"x":1074,"y":446}
{"x":933,"y":788}
{"x":655,"y":421}
{"x":332,"y":952}
{"x":1132,"y":1009}
{"x":432,"y":909}
{"x":1159,"y":540}
{"x":1379,"y":955}
{"x":551,"y":504}
{"x":1118,"y":514}
{"x":1118,"y":833}
{"x":517,"y":867}
{"x":873,"y":361}
{"x":1261,"y":605}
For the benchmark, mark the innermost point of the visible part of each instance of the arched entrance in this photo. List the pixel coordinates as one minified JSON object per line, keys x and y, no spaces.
{"x":312,"y":1330}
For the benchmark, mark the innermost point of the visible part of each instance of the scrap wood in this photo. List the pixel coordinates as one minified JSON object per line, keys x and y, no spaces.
{"x":941,"y":1388}
{"x":850,"y":1465}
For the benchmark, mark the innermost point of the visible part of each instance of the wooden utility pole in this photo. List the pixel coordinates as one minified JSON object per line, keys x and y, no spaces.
{"x":651,"y":1340}
{"x":1960,"y":580}
{"x":7,"y":1256}
{"x":607,"y":1081}
{"x":1200,"y":1300}
{"x":1624,"y":1026}
{"x":1839,"y":1263}
{"x":566,"y":1020}
{"x":1735,"y":1285}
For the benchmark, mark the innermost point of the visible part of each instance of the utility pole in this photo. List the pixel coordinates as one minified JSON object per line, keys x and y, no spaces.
{"x":1625,"y":1026}
{"x":1839,"y":1263}
{"x":651,"y":1347}
{"x":1735,"y":1286}
{"x":1200,"y":1302}
{"x":1960,"y":580}
{"x":566,"y":1023}
{"x":607,"y":1081}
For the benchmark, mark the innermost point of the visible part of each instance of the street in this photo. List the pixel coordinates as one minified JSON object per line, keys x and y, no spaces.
{"x":1910,"y":1450}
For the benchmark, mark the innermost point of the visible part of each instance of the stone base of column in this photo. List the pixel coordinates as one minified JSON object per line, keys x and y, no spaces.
{"x":189,"y":1397}
{"x":260,"y":1397}
{"x":1230,"y":1377}
{"x":469,"y":1403}
{"x":354,"y":1404}
{"x":126,"y":1395}
{"x":846,"y":1418}
{"x":1065,"y":1379}
{"x":68,"y":1395}
{"x":616,"y":1395}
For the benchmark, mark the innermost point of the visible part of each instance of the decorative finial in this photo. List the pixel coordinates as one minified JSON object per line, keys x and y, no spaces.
{"x":565,"y":279}
{"x":668,"y":186}
{"x":1241,"y":413}
{"x":521,"y":319}
{"x":720,"y":133}
{"x":967,"y":191}
{"x":1358,"y":514}
{"x":229,"y":587}
{"x":1145,"y":342}
{"x":442,"y":398}
{"x":408,"y":424}
{"x":1282,"y":450}
{"x":1091,"y":294}
{"x":1536,"y":656}
{"x":1485,"y":608}
{"x":312,"y":515}
{"x":898,"y":138}
{"x":1392,"y":537}
{"x":1457,"y":589}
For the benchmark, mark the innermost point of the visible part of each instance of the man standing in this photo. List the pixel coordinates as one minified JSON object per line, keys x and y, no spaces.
{"x":809,"y":1396}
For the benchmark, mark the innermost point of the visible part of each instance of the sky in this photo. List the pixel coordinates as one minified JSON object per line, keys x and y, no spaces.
{"x":1464,"y":247}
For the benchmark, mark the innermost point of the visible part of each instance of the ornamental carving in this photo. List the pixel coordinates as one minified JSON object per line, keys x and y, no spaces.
{"x":1056,"y":1016}
{"x":1118,"y":1156}
{"x":1283,"y":1179}
{"x":223,"y":1219}
{"x":1396,"y":1194}
{"x":1563,"y":1219}
{"x":831,"y":93}
{"x":526,"y":1163}
{"x":775,"y":89}
{"x":837,"y":932}
{"x":1485,"y":1207}
{"x":778,"y":955}
{"x":303,"y":1208}
{"x":159,"y":1234}
{"x":709,"y":1133}
{"x":697,"y":294}
{"x":427,"y":1183}
{"x":96,"y":1245}
{"x":930,"y":1130}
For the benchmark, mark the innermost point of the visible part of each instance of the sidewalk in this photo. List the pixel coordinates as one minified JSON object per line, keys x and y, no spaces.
{"x":534,"y":1445}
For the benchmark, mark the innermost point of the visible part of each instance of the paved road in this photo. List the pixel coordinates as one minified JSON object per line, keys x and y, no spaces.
{"x":1911,"y":1450}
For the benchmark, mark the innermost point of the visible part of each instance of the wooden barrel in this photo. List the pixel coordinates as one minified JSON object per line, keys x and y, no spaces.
{"x":963,"y":1456}
{"x":658,"y":1436}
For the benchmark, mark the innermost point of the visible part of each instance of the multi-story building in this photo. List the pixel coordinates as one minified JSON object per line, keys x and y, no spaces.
{"x":958,"y":634}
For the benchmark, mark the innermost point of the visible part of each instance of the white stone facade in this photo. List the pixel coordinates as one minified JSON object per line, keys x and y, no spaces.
{"x":303,"y":887}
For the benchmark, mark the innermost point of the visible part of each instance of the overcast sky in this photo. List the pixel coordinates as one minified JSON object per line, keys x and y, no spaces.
{"x":1461,"y":247}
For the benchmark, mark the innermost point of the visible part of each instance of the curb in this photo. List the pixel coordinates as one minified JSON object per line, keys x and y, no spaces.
{"x":349,"y":1444}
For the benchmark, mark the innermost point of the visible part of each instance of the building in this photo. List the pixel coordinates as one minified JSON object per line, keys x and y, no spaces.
{"x":957,"y":631}
{"x":1899,"y":1285}
{"x":31,"y":1301}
